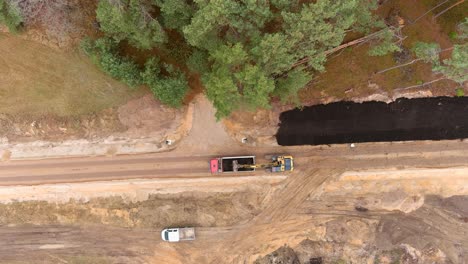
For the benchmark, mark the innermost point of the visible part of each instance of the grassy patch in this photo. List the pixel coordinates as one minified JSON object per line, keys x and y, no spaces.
{"x":37,"y":80}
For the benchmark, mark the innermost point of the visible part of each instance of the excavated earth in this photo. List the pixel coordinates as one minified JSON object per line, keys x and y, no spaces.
{"x":377,"y":203}
{"x":436,"y":118}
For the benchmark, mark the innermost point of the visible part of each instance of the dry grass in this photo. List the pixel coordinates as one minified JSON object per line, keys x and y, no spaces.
{"x":37,"y":80}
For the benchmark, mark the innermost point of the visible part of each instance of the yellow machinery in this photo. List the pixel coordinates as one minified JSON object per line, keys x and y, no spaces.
{"x":277,"y":164}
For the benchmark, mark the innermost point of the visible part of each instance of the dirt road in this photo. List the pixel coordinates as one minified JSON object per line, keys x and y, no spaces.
{"x":52,"y":244}
{"x":176,"y":164}
{"x":288,"y":216}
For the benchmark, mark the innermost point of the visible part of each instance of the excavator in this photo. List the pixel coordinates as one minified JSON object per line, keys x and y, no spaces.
{"x":277,"y":164}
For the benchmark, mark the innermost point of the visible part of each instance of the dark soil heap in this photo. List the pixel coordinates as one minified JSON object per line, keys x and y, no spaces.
{"x":347,"y":122}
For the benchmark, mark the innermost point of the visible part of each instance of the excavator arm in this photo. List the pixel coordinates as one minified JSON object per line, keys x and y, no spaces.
{"x":279,"y":164}
{"x":256,"y":166}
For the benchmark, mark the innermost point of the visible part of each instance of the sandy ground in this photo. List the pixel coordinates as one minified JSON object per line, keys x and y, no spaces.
{"x":239,"y":218}
{"x":371,"y":204}
{"x":147,"y":133}
{"x":132,"y":190}
{"x":314,"y":203}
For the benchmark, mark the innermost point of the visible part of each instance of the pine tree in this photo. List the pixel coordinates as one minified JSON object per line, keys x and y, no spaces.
{"x":10,"y":15}
{"x":245,"y":50}
{"x":131,"y":20}
{"x":455,"y":68}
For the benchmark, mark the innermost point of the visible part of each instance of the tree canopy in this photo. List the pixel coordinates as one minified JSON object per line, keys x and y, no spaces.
{"x":131,"y":20}
{"x":10,"y":15}
{"x":455,"y":68}
{"x":252,"y":45}
{"x":245,"y":51}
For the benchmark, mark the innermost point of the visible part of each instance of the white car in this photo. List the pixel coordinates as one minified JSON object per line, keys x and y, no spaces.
{"x":178,"y":234}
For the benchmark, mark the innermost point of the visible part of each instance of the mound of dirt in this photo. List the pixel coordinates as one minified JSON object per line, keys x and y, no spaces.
{"x":190,"y":209}
{"x":141,"y":117}
{"x":434,"y":233}
{"x":283,"y":255}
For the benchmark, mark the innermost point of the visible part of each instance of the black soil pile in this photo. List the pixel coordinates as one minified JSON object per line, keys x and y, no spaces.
{"x":348,"y":122}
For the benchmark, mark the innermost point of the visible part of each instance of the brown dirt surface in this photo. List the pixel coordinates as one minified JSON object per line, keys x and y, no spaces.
{"x":314,"y":212}
{"x":63,"y":96}
{"x":206,"y":133}
{"x":147,"y":116}
{"x":158,"y":211}
{"x":75,"y":245}
{"x":140,"y":117}
{"x":365,"y":205}
{"x":435,"y":233}
{"x":356,"y":78}
{"x":283,"y":255}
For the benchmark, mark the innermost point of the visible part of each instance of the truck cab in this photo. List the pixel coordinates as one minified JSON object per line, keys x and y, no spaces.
{"x":283,"y":163}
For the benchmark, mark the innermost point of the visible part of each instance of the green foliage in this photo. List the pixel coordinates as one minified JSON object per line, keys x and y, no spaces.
{"x":198,"y":61}
{"x":131,"y":20}
{"x":222,"y":91}
{"x":463,"y":29}
{"x":318,"y":27}
{"x":428,"y":52}
{"x":175,"y":13}
{"x":274,"y":53}
{"x":455,"y":68}
{"x":287,"y":88}
{"x":221,"y":85}
{"x":460,"y":92}
{"x":208,"y":20}
{"x":453,"y":35}
{"x":283,"y":4}
{"x":385,"y":46}
{"x":104,"y":53}
{"x":365,"y":20}
{"x":169,"y":90}
{"x":151,"y":71}
{"x":255,"y":86}
{"x":245,"y":50}
{"x":10,"y":15}
{"x":250,"y":43}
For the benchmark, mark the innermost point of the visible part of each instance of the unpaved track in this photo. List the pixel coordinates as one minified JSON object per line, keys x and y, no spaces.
{"x":295,"y":192}
{"x":177,"y":164}
{"x":33,"y":243}
{"x":283,"y":220}
{"x":297,"y":188}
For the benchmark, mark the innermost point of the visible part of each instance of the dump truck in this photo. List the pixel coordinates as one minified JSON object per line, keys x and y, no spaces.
{"x":279,"y":163}
{"x":232,"y":164}
{"x":178,"y":234}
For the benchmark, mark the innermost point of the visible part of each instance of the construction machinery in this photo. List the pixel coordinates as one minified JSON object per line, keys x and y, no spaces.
{"x":279,"y":163}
